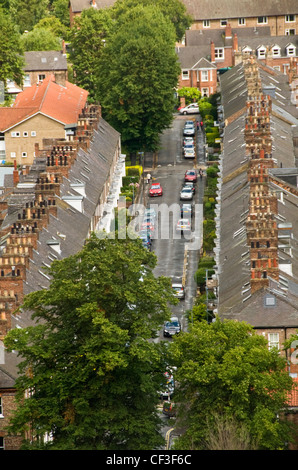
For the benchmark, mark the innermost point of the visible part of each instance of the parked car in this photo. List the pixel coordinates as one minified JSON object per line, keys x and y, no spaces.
{"x":183,"y":225}
{"x":186,"y":194}
{"x":172,"y":327}
{"x":189,"y":153}
{"x":191,"y":175}
{"x":189,"y":184}
{"x":189,"y":129}
{"x":186,"y":211}
{"x":188,"y":146}
{"x":155,"y":190}
{"x":168,"y":391}
{"x":178,"y":290}
{"x":188,"y":140}
{"x":192,"y":108}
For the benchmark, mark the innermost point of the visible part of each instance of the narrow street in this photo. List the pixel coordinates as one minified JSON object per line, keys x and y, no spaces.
{"x":177,"y":255}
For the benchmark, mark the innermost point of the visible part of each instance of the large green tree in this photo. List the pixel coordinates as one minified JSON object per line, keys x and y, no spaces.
{"x":225,"y":369}
{"x":173,"y":10}
{"x":11,"y":51}
{"x":138,"y":73}
{"x":91,"y":369}
{"x":26,"y":13}
{"x":88,"y":37}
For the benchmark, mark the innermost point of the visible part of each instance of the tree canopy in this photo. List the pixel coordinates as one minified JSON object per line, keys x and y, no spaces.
{"x":93,"y":373}
{"x":138,"y":71}
{"x":11,"y":51}
{"x":227,"y":368}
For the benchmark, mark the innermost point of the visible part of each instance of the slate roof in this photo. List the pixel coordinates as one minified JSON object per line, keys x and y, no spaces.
{"x":225,"y":9}
{"x":45,"y":60}
{"x":79,"y":5}
{"x":189,"y":56}
{"x":234,"y":299}
{"x":202,"y":37}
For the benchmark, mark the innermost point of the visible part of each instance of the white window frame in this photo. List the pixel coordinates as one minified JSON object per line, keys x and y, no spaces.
{"x":288,"y":20}
{"x":41,"y":77}
{"x":291,"y":51}
{"x":262,"y":52}
{"x":1,"y":408}
{"x":273,"y":340}
{"x":184,"y":76}
{"x":206,"y":23}
{"x":24,"y":155}
{"x":264,"y":20}
{"x":204,"y":75}
{"x":13,"y":155}
{"x":289,"y":33}
{"x":25,"y":134}
{"x":219,"y":53}
{"x":275,"y":51}
{"x":241,"y":22}
{"x":205,"y":91}
{"x":15,"y":134}
{"x":223,"y":23}
{"x":33,"y":133}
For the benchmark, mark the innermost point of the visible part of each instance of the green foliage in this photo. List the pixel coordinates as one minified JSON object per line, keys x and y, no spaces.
{"x":226,"y":366}
{"x":41,"y":39}
{"x":93,"y":373}
{"x":60,"y":9}
{"x":27,"y":13}
{"x":140,"y":62}
{"x":191,"y":94}
{"x":173,"y":11}
{"x":11,"y":51}
{"x":88,"y":36}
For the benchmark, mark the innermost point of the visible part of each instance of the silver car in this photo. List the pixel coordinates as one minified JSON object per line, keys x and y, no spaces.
{"x":192,"y":108}
{"x":186,"y":194}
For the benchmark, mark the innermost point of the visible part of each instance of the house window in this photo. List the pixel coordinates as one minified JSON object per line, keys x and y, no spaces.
{"x":1,"y":443}
{"x":205,"y":92}
{"x":33,"y":133}
{"x":12,"y":155}
{"x":15,"y":134}
{"x":206,"y":23}
{"x":204,"y":75}
{"x":276,"y":51}
{"x":223,"y":22}
{"x":24,"y":154}
{"x":1,"y":408}
{"x":262,"y":53}
{"x":290,"y":32}
{"x":291,"y":50}
{"x":241,"y":21}
{"x":27,"y":81}
{"x":273,"y":340}
{"x":290,"y":18}
{"x":41,"y":77}
{"x":185,"y":74}
{"x":262,"y":20}
{"x":219,"y":53}
{"x":25,"y":134}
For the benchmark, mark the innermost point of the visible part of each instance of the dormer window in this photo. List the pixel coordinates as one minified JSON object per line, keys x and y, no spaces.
{"x":290,"y":18}
{"x":276,"y":51}
{"x":291,"y":50}
{"x":262,"y":20}
{"x":261,"y":52}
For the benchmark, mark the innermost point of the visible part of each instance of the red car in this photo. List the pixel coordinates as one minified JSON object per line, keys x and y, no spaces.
{"x":191,"y":175}
{"x":155,"y":190}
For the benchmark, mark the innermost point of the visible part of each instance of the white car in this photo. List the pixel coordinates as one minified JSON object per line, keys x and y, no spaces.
{"x":178,"y":290}
{"x":186,"y":194}
{"x":192,"y":108}
{"x":189,"y":153}
{"x":183,"y":225}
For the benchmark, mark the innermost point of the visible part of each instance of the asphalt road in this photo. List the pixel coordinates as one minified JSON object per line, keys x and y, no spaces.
{"x":177,"y":255}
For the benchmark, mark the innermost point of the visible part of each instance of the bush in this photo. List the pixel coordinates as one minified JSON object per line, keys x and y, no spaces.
{"x":135,"y":170}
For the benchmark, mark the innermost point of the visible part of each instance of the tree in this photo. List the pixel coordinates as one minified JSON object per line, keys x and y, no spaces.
{"x":173,"y":10}
{"x":138,"y":73}
{"x":11,"y":52}
{"x":91,"y":369}
{"x":88,"y":38}
{"x":226,"y":366}
{"x":191,"y":94}
{"x":26,"y":13}
{"x":40,"y":39}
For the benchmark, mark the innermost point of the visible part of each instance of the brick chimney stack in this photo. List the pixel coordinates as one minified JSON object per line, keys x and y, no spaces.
{"x":212,"y":52}
{"x":16,"y":177}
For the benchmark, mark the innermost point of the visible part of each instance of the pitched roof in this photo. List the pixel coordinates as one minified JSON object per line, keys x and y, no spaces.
{"x":62,"y":103}
{"x":189,"y":56}
{"x":79,"y":5}
{"x":225,"y":9}
{"x":45,"y":60}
